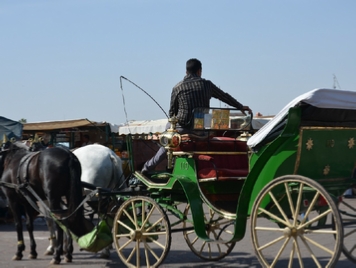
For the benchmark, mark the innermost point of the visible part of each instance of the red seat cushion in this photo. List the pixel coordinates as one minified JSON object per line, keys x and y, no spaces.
{"x":222,"y":173}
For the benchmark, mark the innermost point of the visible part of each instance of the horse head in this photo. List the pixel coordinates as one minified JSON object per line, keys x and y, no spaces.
{"x":36,"y":144}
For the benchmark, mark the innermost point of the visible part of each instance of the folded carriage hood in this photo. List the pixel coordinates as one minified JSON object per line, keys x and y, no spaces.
{"x":321,"y":98}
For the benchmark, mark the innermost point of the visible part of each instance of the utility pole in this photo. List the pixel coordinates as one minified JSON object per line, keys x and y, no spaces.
{"x":336,"y":82}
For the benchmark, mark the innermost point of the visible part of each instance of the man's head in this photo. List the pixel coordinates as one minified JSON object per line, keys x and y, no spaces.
{"x":194,"y":67}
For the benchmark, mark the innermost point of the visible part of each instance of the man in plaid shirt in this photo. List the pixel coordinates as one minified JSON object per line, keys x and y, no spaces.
{"x":192,"y":92}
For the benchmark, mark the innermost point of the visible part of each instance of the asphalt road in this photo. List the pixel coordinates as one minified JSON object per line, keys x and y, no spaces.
{"x":179,"y":255}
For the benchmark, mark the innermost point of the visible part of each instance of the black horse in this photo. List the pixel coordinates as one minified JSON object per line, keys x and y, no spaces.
{"x":52,"y":175}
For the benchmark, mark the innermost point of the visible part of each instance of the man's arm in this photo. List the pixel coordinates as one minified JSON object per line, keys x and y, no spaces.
{"x":228,"y":99}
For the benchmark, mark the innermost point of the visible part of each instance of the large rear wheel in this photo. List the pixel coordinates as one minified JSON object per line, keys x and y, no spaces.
{"x":217,"y":227}
{"x":142,"y":233}
{"x":347,"y":208}
{"x":305,"y":235}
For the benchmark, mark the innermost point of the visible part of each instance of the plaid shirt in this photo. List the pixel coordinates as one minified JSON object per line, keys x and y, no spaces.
{"x":194,"y":92}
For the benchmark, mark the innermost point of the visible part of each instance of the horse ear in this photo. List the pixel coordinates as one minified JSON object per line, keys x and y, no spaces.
{"x":4,"y":139}
{"x":36,"y":138}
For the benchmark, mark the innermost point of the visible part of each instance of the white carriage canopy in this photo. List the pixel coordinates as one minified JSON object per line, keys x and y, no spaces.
{"x":320,"y":98}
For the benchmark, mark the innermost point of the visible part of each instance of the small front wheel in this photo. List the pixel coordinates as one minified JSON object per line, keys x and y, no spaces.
{"x":141,"y":232}
{"x":217,"y":227}
{"x":309,"y":232}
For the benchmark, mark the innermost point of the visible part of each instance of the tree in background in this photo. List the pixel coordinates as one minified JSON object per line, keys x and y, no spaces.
{"x":23,"y":120}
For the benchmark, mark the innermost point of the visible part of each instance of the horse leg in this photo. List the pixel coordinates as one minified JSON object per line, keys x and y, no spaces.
{"x":68,"y":248}
{"x":105,"y":253}
{"x":52,"y":237}
{"x":59,"y":248}
{"x":16,"y":211}
{"x":29,"y":225}
{"x":52,"y":231}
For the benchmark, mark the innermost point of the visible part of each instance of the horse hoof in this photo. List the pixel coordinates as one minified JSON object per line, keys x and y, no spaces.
{"x":104,"y":256}
{"x":53,"y":261}
{"x":16,"y":258}
{"x":32,"y":256}
{"x":67,"y":259}
{"x":48,"y":253}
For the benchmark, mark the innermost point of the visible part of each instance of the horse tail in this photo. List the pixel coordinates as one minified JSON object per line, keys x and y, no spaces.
{"x":118,"y":174}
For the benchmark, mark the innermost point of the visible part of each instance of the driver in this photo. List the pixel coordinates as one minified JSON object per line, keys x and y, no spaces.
{"x":192,"y":92}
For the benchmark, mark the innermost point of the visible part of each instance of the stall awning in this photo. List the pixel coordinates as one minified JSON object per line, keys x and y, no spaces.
{"x":10,"y":128}
{"x":51,"y":125}
{"x":144,"y":127}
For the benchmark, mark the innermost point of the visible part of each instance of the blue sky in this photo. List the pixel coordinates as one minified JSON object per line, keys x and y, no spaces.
{"x":63,"y":59}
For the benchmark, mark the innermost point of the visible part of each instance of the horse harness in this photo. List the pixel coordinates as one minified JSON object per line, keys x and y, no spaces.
{"x":24,"y":162}
{"x":24,"y":187}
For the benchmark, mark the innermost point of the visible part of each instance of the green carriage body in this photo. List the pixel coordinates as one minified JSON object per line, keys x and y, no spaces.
{"x":308,"y":141}
{"x":324,"y":153}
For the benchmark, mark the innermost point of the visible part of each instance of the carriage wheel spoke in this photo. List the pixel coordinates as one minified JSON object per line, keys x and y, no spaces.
{"x":303,"y":238}
{"x":300,"y":259}
{"x":311,"y":206}
{"x":202,"y":247}
{"x":124,"y":245}
{"x":274,"y":216}
{"x":271,"y":243}
{"x":138,"y":255}
{"x":154,"y":225}
{"x":156,"y":242}
{"x":134,"y":211}
{"x":315,"y":219}
{"x":299,"y":200}
{"x":147,"y":246}
{"x":132,"y":253}
{"x":194,"y":240}
{"x":130,"y":218}
{"x":291,"y":256}
{"x":350,"y":233}
{"x":148,"y":215}
{"x":275,"y":229}
{"x":279,"y":207}
{"x":290,"y":201}
{"x":143,"y":211}
{"x":280,"y":251}
{"x":352,"y":249}
{"x":126,"y":226}
{"x":147,"y":255}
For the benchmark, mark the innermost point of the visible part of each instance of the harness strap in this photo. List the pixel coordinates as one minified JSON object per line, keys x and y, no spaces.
{"x":48,"y":212}
{"x":24,"y":162}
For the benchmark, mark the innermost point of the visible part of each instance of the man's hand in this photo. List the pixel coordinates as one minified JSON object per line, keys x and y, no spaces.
{"x":246,"y":108}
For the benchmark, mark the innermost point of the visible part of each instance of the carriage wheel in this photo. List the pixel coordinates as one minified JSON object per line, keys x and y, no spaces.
{"x":142,"y":233}
{"x":347,"y":208}
{"x":217,"y":228}
{"x":305,"y":235}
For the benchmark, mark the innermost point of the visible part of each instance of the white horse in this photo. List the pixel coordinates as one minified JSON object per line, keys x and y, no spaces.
{"x":101,"y":167}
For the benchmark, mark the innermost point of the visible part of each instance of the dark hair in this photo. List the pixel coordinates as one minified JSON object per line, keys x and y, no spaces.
{"x":193,"y":66}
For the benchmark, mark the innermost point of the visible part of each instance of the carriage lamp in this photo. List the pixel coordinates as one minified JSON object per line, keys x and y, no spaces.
{"x":170,"y":139}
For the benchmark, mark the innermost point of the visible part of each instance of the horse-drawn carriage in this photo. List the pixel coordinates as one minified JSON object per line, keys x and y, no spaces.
{"x":287,"y":181}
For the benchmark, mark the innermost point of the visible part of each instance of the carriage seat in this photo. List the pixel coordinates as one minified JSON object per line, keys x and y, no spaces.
{"x":220,"y":158}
